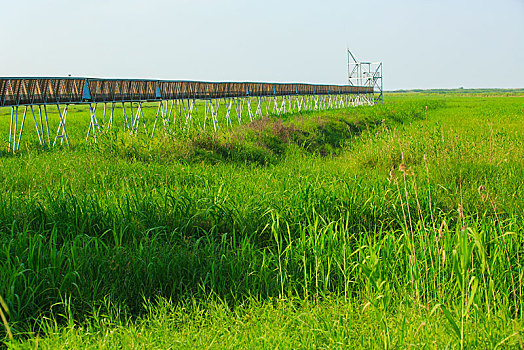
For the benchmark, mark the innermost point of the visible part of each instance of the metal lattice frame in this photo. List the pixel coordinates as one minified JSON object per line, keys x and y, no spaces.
{"x":366,"y":74}
{"x":177,"y":103}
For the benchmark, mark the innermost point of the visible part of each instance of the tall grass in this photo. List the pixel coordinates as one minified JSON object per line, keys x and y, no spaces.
{"x":377,"y":208}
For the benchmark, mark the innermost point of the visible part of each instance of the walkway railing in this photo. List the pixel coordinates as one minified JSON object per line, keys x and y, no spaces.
{"x":176,"y":103}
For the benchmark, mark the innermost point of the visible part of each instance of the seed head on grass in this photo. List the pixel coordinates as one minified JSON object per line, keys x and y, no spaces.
{"x":461,"y":212}
{"x":443,"y":226}
{"x":407,"y":171}
{"x":483,"y":193}
{"x":392,"y":175}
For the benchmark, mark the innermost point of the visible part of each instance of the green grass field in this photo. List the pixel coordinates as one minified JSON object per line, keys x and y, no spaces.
{"x":394,"y":226}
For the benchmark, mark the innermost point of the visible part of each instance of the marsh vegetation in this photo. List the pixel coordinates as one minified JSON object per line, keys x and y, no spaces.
{"x":387,"y":226}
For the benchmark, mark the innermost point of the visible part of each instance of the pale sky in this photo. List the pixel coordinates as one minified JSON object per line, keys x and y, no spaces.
{"x":423,"y":44}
